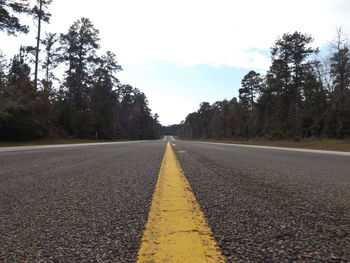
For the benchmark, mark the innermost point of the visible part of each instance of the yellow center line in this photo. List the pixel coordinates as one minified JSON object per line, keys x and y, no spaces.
{"x":176,"y":230}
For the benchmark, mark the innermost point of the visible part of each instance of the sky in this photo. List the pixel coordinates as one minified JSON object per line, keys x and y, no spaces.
{"x":181,"y":53}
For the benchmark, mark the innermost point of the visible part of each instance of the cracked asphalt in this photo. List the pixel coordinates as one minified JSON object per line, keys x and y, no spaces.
{"x":90,"y":203}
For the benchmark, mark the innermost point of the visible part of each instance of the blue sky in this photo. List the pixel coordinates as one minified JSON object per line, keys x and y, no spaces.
{"x":178,"y":90}
{"x":183,"y":52}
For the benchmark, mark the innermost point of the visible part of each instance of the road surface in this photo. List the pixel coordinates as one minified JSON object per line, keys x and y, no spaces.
{"x":91,"y":203}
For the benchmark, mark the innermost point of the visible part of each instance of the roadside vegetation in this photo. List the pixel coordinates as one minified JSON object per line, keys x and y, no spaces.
{"x":85,"y":100}
{"x":303,"y":95}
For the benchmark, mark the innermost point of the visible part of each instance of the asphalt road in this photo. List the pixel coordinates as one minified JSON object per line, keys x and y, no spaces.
{"x":76,"y":204}
{"x":90,"y":203}
{"x":269,"y":205}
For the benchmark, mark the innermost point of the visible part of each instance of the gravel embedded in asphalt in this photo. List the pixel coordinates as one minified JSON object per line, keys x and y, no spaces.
{"x":91,"y":203}
{"x":270,"y":205}
{"x":76,"y":204}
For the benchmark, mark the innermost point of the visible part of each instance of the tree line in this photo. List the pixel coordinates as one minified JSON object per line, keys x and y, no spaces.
{"x":171,"y":129}
{"x":87,"y":101}
{"x":300,"y":96}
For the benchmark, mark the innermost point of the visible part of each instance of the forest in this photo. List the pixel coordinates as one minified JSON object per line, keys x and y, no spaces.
{"x":304,"y":94}
{"x":63,"y":86}
{"x":85,"y":100}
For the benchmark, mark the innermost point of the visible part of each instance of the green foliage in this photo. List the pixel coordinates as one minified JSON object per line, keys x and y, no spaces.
{"x":135,"y":116}
{"x":8,"y":21}
{"x":90,"y":103}
{"x":79,"y":48}
{"x":20,"y":121}
{"x":338,"y":116}
{"x":174,"y":129}
{"x":40,"y":12}
{"x":20,"y":118}
{"x":292,"y":101}
{"x":251,"y":85}
{"x":104,"y":102}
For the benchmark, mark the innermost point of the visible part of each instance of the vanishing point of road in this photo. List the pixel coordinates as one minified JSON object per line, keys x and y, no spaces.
{"x":173,"y":201}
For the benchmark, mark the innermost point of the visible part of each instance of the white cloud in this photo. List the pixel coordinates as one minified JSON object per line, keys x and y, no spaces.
{"x":192,"y":32}
{"x":219,"y":32}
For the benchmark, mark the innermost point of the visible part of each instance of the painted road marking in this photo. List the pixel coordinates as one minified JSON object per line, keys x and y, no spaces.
{"x":280,"y":148}
{"x":41,"y":147}
{"x":176,"y":230}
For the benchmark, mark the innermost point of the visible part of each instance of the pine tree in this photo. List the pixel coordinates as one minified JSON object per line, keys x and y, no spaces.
{"x":290,"y":61}
{"x":22,"y":119}
{"x":79,"y":48}
{"x":19,"y":77}
{"x":104,"y":98}
{"x":338,"y":119}
{"x":8,"y":21}
{"x":40,"y":14}
{"x":51,"y":60}
{"x":251,"y":85}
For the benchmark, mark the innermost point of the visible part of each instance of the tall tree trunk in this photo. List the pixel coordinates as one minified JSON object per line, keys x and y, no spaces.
{"x":38,"y":46}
